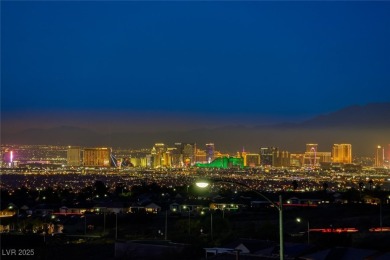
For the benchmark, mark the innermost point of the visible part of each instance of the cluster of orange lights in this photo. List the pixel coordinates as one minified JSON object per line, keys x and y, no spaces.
{"x":348,"y":230}
{"x":334,"y":230}
{"x":380,"y":229}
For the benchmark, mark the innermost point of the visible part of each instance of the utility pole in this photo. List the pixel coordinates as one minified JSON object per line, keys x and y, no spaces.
{"x":166,"y":224}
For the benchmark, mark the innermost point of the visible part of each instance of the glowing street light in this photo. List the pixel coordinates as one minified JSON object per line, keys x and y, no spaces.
{"x":279,"y":207}
{"x":85,"y":223}
{"x":189,"y":218}
{"x":299,"y":220}
{"x":14,"y":208}
{"x":211,"y":223}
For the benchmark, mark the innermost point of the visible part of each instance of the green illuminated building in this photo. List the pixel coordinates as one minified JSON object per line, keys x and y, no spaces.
{"x":223,"y":163}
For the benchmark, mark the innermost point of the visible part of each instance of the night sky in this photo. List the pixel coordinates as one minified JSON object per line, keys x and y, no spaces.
{"x":189,"y":63}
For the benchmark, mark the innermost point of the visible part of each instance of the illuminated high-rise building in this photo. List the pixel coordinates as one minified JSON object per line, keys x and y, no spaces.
{"x":267,"y":156}
{"x":97,"y":157}
{"x":135,"y":162}
{"x":388,"y":155}
{"x":176,"y":155}
{"x":139,"y":161}
{"x":149,"y":160}
{"x":210,"y":149}
{"x":281,"y":158}
{"x":379,"y":156}
{"x":297,"y":159}
{"x":74,"y":156}
{"x":342,"y":153}
{"x":158,"y":154}
{"x":184,"y":154}
{"x":201,"y":156}
{"x":167,"y":160}
{"x":8,"y":158}
{"x":251,"y":159}
{"x":189,"y":150}
{"x":170,"y":157}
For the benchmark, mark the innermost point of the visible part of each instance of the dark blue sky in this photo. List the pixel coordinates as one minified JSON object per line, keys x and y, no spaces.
{"x":255,"y":61}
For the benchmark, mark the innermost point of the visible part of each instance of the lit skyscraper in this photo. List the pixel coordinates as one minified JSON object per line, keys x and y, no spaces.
{"x":177,"y":157}
{"x":388,"y":155}
{"x":281,"y":158}
{"x":158,"y":155}
{"x":201,"y":156}
{"x":8,"y":158}
{"x":342,"y":153}
{"x":189,"y":151}
{"x":97,"y":157}
{"x":210,"y":152}
{"x":74,"y":156}
{"x":183,"y":154}
{"x":251,"y":159}
{"x":170,"y":157}
{"x":267,"y":156}
{"x":379,"y":156}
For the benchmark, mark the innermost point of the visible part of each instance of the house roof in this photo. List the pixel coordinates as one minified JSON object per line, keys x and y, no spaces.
{"x":153,"y":205}
{"x":253,"y":245}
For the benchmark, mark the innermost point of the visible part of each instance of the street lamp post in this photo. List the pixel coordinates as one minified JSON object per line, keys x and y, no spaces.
{"x":189,"y":219}
{"x":281,"y":238}
{"x":279,"y":207}
{"x":104,"y":222}
{"x":166,"y":225}
{"x":211,"y":226}
{"x":85,"y":224}
{"x":308,"y":230}
{"x":380,"y":215}
{"x":116,"y":226}
{"x":16,"y":210}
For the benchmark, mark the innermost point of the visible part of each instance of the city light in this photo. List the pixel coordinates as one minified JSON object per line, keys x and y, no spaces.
{"x":202,"y":184}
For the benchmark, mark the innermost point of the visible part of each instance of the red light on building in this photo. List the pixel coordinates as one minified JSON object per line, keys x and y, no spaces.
{"x":380,"y":229}
{"x":334,"y":230}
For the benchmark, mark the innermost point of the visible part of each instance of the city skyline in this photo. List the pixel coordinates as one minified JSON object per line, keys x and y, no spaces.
{"x":157,"y":66}
{"x":362,"y":126}
{"x":112,"y":112}
{"x":179,"y":155}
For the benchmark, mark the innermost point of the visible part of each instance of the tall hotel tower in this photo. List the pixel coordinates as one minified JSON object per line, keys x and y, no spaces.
{"x":74,"y":156}
{"x":210,"y":149}
{"x":379,"y":156}
{"x":342,"y":153}
{"x":97,"y":157}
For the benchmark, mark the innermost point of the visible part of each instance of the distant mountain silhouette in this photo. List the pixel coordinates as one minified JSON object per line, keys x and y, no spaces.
{"x":370,"y":115}
{"x":362,"y":126}
{"x":62,"y":135}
